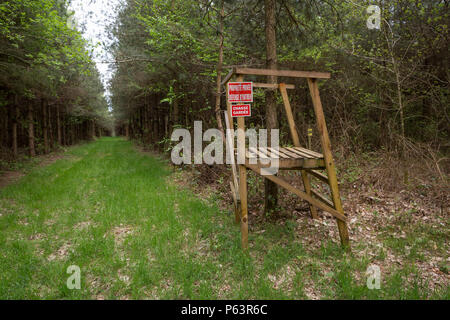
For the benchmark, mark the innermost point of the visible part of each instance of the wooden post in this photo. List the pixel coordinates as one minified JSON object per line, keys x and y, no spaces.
{"x":230,"y":139}
{"x":307,"y":184}
{"x":234,"y":184}
{"x":242,"y":176}
{"x":243,"y":185}
{"x":294,"y":134}
{"x":329,"y":162}
{"x":290,"y":117}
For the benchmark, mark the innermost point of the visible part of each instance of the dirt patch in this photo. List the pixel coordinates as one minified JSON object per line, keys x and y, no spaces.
{"x":61,"y":253}
{"x":98,"y":288}
{"x":282,"y":279}
{"x":83,"y":225}
{"x":37,"y":236}
{"x":10,"y":177}
{"x":124,"y":277}
{"x":48,"y":159}
{"x":120,"y":233}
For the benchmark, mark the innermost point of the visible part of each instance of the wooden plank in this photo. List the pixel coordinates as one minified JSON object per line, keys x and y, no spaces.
{"x":227,"y":78}
{"x":281,"y":152}
{"x":323,"y":198}
{"x":250,"y":154}
{"x":300,"y":153}
{"x":318,"y":175}
{"x":301,"y":194}
{"x":313,"y":153}
{"x":267,"y":153}
{"x":329,"y":162}
{"x":283,"y":73}
{"x":235,"y":184}
{"x":233,"y":193}
{"x":230,"y":139}
{"x":258,"y":153}
{"x":295,"y":164}
{"x":290,"y":154}
{"x":237,"y":203}
{"x":278,"y":153}
{"x":290,"y":117}
{"x":308,"y":190}
{"x":271,"y":85}
{"x":241,"y":140}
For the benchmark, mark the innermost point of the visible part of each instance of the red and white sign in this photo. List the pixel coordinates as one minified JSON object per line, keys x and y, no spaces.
{"x":240,"y":91}
{"x":241,"y":110}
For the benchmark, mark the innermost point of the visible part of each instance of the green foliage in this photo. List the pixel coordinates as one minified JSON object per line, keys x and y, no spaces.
{"x":385,"y":83}
{"x":43,"y":57}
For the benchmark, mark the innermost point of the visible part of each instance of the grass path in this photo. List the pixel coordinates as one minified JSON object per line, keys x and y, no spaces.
{"x":134,"y":234}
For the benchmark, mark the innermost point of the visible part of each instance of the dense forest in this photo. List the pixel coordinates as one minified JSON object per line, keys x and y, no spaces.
{"x":389,"y":86}
{"x":50,"y":90}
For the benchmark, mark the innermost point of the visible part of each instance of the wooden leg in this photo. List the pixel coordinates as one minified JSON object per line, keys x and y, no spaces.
{"x":294,"y":134}
{"x":342,"y":225}
{"x":307,"y":184}
{"x":237,"y":213}
{"x":244,"y":214}
{"x":237,"y":203}
{"x":329,"y":162}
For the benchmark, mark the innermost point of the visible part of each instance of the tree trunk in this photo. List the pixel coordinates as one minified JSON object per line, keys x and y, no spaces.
{"x":72,"y":129}
{"x":50,"y":128}
{"x":271,"y":189}
{"x":127,"y":131}
{"x":31,"y":148}
{"x":4,"y":129}
{"x":92,"y":129}
{"x":166,"y":125}
{"x":14,"y":128}
{"x":147,"y":123}
{"x":58,"y":125}
{"x":219,"y":70}
{"x":175,"y":107}
{"x":45,"y":126}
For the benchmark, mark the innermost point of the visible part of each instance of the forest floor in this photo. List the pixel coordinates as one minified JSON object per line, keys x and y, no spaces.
{"x":139,"y":229}
{"x":11,"y":172}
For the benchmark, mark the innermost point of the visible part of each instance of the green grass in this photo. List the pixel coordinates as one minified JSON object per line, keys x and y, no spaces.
{"x":116,"y":214}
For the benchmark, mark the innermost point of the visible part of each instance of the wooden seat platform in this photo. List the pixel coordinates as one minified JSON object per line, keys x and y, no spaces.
{"x":288,"y":158}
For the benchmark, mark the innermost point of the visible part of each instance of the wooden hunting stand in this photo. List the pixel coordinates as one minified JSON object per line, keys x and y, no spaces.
{"x":297,"y":158}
